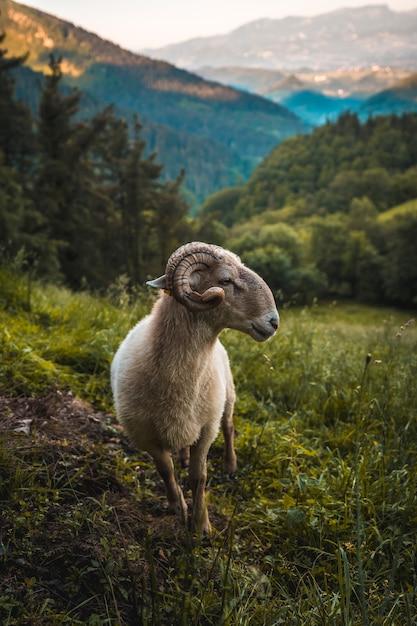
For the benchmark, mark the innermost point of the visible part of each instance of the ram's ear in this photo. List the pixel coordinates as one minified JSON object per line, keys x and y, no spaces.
{"x":158,"y":283}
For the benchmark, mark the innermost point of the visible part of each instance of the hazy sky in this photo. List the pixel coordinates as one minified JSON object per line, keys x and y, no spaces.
{"x":137,"y":24}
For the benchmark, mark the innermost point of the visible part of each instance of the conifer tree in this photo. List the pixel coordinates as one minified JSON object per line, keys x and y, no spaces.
{"x":142,"y":217}
{"x":12,"y":204}
{"x":108,"y":155}
{"x":16,"y":134}
{"x":169,"y":220}
{"x":64,"y":181}
{"x":17,"y":148}
{"x":139,"y":189}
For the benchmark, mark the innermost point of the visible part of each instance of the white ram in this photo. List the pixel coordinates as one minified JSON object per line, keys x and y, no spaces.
{"x":171,"y":377}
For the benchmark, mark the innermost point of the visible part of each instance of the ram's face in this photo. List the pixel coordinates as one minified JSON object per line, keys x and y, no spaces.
{"x":247,"y":304}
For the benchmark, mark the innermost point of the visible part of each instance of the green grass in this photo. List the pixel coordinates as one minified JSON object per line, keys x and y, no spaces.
{"x":318,"y":527}
{"x":53,"y":337}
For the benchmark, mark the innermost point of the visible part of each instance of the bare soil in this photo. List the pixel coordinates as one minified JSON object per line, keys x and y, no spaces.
{"x":67,"y":513}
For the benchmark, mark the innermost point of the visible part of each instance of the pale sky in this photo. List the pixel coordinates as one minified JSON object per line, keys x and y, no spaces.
{"x":137,"y":24}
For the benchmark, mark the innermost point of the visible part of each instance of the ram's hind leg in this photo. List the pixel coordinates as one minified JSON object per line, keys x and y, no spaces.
{"x":228,"y":429}
{"x":184,"y":455}
{"x":165,"y":467}
{"x":198,"y":477}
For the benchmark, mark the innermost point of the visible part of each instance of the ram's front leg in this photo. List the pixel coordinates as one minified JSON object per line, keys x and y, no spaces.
{"x":165,"y":467}
{"x":198,"y":476}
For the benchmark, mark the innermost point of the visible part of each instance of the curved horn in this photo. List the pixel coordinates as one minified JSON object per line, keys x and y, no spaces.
{"x":181,"y":264}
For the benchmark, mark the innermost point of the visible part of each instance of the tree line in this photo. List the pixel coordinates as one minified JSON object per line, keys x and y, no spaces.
{"x":333,"y":213}
{"x":80,"y":198}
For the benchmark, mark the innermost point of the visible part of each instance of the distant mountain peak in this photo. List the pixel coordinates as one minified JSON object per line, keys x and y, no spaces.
{"x":380,"y":36}
{"x":289,"y":83}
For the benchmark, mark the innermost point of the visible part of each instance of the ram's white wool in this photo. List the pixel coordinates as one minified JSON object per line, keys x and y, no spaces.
{"x":171,"y":378}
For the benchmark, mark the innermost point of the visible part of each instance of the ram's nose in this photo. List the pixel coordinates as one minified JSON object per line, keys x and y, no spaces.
{"x":274,"y":320}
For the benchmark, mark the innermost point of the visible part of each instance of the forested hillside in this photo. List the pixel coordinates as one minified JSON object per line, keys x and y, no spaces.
{"x":318,"y":215}
{"x":79,"y":201}
{"x":217,"y":134}
{"x":333,"y":213}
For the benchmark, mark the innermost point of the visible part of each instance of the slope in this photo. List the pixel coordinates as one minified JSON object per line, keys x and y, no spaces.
{"x":202,"y":126}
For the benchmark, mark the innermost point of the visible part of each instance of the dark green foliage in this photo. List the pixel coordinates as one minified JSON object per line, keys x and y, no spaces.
{"x":222,"y":205}
{"x":16,"y":137}
{"x":338,"y":162}
{"x":92,"y":205}
{"x":399,"y":271}
{"x":12,"y":204}
{"x":329,"y":192}
{"x":62,"y":180}
{"x":17,"y":156}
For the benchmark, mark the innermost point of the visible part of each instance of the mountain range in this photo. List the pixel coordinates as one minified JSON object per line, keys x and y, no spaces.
{"x":349,"y":37}
{"x":359,"y":59}
{"x":216,"y":133}
{"x":320,"y":96}
{"x":219,"y":122}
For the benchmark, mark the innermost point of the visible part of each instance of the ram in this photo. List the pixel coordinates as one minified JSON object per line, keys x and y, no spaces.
{"x":171,"y":378}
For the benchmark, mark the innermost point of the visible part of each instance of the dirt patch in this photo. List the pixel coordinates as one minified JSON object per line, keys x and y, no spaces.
{"x":55,"y":417}
{"x":83,"y":516}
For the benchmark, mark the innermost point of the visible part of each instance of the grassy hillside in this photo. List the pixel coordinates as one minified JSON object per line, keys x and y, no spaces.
{"x":318,"y":527}
{"x":196,"y":124}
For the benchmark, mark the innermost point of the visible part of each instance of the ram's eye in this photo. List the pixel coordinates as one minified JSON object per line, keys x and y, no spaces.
{"x":225,"y":281}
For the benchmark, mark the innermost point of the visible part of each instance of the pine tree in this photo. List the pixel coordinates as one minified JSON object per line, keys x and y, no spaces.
{"x":16,"y":133}
{"x":108,"y":154}
{"x":64,"y":182}
{"x":17,"y":149}
{"x":142,"y":218}
{"x":139,"y":187}
{"x":169,"y":222}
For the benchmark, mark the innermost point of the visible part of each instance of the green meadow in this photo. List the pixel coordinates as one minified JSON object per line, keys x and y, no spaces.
{"x":317,"y":528}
